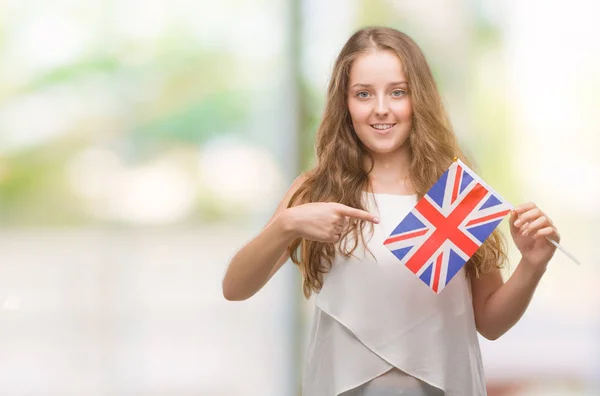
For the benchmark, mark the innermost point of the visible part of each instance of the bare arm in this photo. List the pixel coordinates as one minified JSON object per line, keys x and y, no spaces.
{"x":255,"y":263}
{"x":253,"y":266}
{"x":497,"y":305}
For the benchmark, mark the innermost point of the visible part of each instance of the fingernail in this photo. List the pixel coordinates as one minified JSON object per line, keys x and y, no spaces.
{"x":517,"y":223}
{"x":376,"y":219}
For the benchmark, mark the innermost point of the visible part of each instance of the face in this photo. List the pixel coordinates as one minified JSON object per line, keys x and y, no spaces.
{"x":378,"y":101}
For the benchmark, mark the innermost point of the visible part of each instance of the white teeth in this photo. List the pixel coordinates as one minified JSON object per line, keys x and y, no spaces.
{"x":382,"y":126}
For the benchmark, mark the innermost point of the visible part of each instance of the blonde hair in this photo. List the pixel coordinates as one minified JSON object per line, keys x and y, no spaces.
{"x":340,"y":174}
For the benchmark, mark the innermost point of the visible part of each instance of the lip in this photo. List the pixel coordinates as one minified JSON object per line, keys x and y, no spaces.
{"x":383,"y":131}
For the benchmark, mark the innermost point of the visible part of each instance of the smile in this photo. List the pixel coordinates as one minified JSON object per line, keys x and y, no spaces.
{"x":382,"y":127}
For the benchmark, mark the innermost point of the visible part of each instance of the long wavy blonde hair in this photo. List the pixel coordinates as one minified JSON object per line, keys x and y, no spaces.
{"x":340,"y":174}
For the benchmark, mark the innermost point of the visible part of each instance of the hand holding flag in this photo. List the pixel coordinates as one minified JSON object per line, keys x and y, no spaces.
{"x":455,"y":217}
{"x":527,"y":224}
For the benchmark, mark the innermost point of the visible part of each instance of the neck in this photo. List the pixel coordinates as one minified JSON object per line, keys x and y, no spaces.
{"x":391,"y":173}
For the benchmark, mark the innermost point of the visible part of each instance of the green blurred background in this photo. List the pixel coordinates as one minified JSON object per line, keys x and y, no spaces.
{"x":143,"y":142}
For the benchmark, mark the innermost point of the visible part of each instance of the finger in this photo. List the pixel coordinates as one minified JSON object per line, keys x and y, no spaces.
{"x":523,"y":228}
{"x":524,"y":207}
{"x":512,"y":219}
{"x":549,"y":232}
{"x":528,"y":216}
{"x":357,"y":213}
{"x":536,"y":225}
{"x":512,"y":222}
{"x":341,"y":221}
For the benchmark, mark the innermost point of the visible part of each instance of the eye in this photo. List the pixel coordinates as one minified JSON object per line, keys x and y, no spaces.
{"x":398,"y":92}
{"x":362,"y":94}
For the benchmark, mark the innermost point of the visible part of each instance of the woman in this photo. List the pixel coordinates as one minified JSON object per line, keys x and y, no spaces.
{"x":377,"y":330}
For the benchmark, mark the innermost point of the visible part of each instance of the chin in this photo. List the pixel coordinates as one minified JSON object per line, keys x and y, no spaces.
{"x":379,"y":149}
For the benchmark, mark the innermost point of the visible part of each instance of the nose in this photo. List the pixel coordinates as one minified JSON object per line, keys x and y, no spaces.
{"x":382,"y":108}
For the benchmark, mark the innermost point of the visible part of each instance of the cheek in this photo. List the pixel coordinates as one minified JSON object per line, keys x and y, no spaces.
{"x":403,"y":110}
{"x":357,"y":112}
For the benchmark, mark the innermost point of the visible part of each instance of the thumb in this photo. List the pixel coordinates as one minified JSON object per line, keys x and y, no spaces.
{"x":512,"y":219}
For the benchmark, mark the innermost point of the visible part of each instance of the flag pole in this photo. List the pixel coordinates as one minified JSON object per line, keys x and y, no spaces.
{"x":562,"y":249}
{"x":553,"y":242}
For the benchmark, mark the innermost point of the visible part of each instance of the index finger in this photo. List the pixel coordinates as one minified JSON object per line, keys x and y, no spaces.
{"x":356,"y":213}
{"x":524,"y":207}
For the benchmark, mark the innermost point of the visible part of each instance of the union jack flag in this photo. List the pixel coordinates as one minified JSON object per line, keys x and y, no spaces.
{"x":447,"y":226}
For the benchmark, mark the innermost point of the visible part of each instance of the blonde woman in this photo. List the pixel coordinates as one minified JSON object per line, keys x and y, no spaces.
{"x":384,"y":140}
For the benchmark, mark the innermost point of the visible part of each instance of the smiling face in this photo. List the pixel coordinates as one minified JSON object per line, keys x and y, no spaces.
{"x":379,"y":104}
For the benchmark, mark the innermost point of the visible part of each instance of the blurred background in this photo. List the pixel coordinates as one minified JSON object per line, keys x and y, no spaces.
{"x":143,"y":142}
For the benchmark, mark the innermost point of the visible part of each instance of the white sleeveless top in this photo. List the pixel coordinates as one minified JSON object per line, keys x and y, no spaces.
{"x":377,"y":326}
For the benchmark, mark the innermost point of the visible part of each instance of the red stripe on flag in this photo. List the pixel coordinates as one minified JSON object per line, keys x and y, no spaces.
{"x":466,"y":206}
{"x":432,"y":214}
{"x":446,"y":228}
{"x":406,"y":236}
{"x":438,"y":269}
{"x":464,"y":243}
{"x":423,"y":255}
{"x":456,"y":181}
{"x":488,"y":217}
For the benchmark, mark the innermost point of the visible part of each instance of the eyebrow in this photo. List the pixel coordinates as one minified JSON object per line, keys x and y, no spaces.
{"x":369,"y":85}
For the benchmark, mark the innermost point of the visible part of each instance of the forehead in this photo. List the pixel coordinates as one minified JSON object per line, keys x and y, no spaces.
{"x":376,"y":67}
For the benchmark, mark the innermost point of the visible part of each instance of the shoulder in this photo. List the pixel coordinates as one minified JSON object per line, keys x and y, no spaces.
{"x":299,"y":183}
{"x":304,"y":176}
{"x":289,"y":197}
